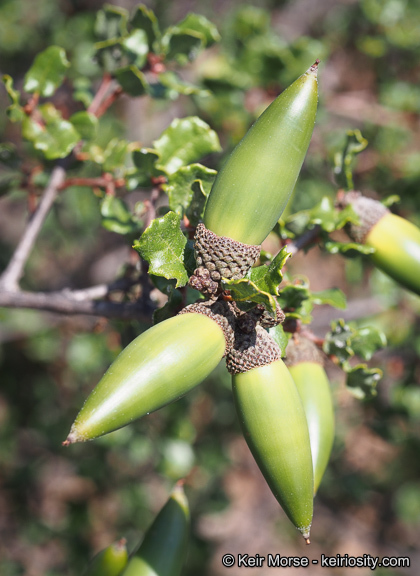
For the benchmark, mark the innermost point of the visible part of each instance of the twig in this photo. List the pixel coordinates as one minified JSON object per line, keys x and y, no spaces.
{"x":10,"y":278}
{"x":100,"y":94}
{"x":307,"y":238}
{"x":76,"y":302}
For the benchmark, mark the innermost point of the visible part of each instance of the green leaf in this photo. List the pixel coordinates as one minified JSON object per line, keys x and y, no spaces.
{"x":268,"y":278}
{"x":86,"y":124}
{"x":47,"y":72}
{"x":8,"y":155}
{"x":182,"y":45}
{"x":162,"y":245}
{"x":333,"y":296}
{"x":115,"y":154}
{"x":145,"y":19}
{"x":176,"y":86}
{"x":391,"y":200}
{"x":132,"y":81}
{"x":244,"y":290}
{"x":338,"y":341}
{"x":362,"y":381}
{"x":200,"y":24}
{"x":111,"y":22}
{"x":55,"y":140}
{"x":184,"y":199}
{"x":366,"y":341}
{"x":117,"y":217}
{"x":14,"y":111}
{"x":109,"y":54}
{"x":292,"y":296}
{"x":185,"y":141}
{"x":280,"y":337}
{"x":343,"y":161}
{"x":136,"y":46}
{"x":347,"y":249}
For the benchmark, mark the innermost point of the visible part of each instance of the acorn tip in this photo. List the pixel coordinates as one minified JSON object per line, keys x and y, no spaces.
{"x":307,"y":541}
{"x":72,"y":438}
{"x":120,"y":544}
{"x":314,"y":67}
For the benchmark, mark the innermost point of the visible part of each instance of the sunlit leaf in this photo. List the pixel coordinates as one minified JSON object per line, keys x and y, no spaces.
{"x":47,"y":72}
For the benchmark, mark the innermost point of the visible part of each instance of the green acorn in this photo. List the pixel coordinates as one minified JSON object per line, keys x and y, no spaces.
{"x":158,"y":367}
{"x":109,"y":562}
{"x":255,"y":183}
{"x":164,"y":548}
{"x":396,"y":241}
{"x":305,"y":364}
{"x":274,"y":425}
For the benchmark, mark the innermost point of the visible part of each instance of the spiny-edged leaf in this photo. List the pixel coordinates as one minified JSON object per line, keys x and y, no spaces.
{"x":347,"y":249}
{"x":117,"y":217}
{"x":145,"y":19}
{"x":9,"y":155}
{"x":115,"y":154}
{"x":136,"y":46}
{"x":324,"y":214}
{"x":366,"y":341}
{"x":343,"y":161}
{"x":181,"y":193}
{"x":346,"y":216}
{"x":189,"y":258}
{"x":391,"y":200}
{"x":14,"y":111}
{"x":176,"y":86}
{"x":182,"y":45}
{"x":292,"y":296}
{"x":145,"y":160}
{"x":55,"y":140}
{"x":200,"y":24}
{"x":109,"y":54}
{"x":47,"y":72}
{"x":269,"y":277}
{"x":86,"y":124}
{"x":162,"y":245}
{"x":362,"y":381}
{"x":172,"y":306}
{"x":338,"y":341}
{"x":244,"y":290}
{"x":132,"y":80}
{"x":280,"y":337}
{"x":333,"y":296}
{"x":185,"y":141}
{"x":111,"y":22}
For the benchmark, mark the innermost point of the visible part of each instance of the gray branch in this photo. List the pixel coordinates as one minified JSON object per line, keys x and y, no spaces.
{"x":77,"y":302}
{"x":9,"y":281}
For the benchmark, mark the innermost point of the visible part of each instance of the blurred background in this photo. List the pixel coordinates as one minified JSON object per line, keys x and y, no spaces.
{"x":59,"y":506}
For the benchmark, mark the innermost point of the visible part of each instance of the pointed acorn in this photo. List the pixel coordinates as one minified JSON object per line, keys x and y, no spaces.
{"x":109,"y":562}
{"x":158,"y":367}
{"x":305,"y":365}
{"x":274,"y":426}
{"x":255,"y":183}
{"x":396,"y":241}
{"x":164,"y":548}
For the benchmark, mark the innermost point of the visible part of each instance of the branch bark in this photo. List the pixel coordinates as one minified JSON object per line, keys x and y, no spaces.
{"x":9,"y":280}
{"x":73,"y":302}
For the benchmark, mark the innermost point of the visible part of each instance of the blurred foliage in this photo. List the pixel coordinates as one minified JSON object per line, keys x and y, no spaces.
{"x":59,"y":506}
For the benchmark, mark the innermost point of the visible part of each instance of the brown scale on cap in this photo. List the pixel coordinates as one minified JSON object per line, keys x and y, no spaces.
{"x":252,"y":350}
{"x":301,"y":349}
{"x":222,"y":257}
{"x":368,"y":210}
{"x":219,"y":311}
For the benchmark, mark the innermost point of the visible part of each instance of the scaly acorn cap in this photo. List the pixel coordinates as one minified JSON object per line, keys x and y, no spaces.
{"x":368,"y":210}
{"x":219,"y":256}
{"x":219,"y":311}
{"x":301,"y":349}
{"x":252,"y":350}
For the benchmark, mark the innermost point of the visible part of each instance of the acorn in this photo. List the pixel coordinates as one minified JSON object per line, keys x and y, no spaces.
{"x":156,"y":368}
{"x":109,"y":562}
{"x":305,"y":364}
{"x":164,"y":548}
{"x":255,"y":183}
{"x":396,"y":241}
{"x":274,"y":425}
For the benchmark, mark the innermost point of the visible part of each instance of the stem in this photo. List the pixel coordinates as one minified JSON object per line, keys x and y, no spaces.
{"x":9,"y":280}
{"x":76,"y":302}
{"x":100,"y":94}
{"x":305,"y":240}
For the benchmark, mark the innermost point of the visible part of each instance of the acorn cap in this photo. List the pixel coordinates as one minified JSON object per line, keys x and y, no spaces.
{"x":301,"y":349}
{"x":252,"y":350}
{"x":368,"y":210}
